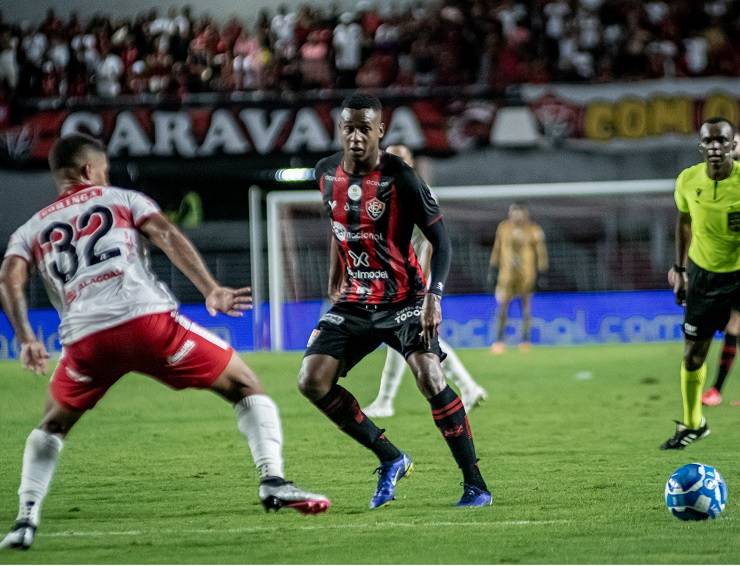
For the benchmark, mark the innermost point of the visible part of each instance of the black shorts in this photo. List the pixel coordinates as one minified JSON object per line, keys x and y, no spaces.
{"x":709,"y":299}
{"x":350,"y":332}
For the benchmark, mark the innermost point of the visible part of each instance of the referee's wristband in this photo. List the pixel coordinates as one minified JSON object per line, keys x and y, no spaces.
{"x":678,"y":268}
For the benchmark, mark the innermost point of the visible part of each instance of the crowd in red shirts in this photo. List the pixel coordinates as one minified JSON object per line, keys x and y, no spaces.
{"x":495,"y":43}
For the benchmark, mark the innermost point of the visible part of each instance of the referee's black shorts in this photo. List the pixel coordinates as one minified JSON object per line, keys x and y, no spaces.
{"x":709,"y":299}
{"x":349,"y":332}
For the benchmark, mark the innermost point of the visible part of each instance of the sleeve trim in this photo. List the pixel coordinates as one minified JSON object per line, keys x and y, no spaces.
{"x":144,"y":218}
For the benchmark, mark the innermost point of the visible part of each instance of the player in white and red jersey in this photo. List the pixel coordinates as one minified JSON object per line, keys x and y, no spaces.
{"x":89,"y":248}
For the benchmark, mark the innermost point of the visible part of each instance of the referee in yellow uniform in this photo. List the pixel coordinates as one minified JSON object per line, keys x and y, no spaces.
{"x":706,"y":275}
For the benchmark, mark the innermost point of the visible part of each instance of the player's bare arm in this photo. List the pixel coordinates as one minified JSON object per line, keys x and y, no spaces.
{"x":677,"y":277}
{"x":181,"y":252}
{"x":335,"y":273}
{"x":431,"y":310}
{"x":13,"y":278}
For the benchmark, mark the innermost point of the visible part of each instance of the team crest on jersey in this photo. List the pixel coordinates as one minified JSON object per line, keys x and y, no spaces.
{"x":354,"y":192}
{"x":375,"y":208}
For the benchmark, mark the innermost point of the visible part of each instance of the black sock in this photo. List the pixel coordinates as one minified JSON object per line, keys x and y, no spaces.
{"x":729,"y":350}
{"x":344,"y":410}
{"x":451,"y":420}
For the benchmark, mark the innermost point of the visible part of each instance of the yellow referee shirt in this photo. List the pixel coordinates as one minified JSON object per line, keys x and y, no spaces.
{"x":714,"y":207}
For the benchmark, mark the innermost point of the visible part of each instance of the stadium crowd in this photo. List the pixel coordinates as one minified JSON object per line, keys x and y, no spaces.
{"x":447,"y":43}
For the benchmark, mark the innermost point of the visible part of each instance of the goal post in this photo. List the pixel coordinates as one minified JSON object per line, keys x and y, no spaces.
{"x":618,"y":215}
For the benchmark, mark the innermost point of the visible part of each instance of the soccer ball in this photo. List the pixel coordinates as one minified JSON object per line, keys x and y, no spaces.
{"x":695,"y":492}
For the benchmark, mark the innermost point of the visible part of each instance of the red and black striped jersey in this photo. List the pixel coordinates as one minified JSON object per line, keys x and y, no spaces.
{"x":372,"y":218}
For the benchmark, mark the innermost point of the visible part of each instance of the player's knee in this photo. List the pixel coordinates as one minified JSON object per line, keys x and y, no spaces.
{"x":312,"y":384}
{"x":693,"y":360}
{"x":431,"y":380}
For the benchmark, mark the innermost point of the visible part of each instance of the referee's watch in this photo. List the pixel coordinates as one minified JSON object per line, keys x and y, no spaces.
{"x":679,"y":268}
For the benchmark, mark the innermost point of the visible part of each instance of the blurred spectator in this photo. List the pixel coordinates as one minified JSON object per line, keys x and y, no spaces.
{"x":347,"y":44}
{"x":108,"y":74}
{"x":8,"y":61}
{"x":315,"y":61}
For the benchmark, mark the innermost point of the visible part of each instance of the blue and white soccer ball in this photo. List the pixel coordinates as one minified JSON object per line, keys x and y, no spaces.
{"x":695,"y":492}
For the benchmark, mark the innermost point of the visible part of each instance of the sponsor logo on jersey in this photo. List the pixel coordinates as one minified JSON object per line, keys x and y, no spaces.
{"x":344,"y":236}
{"x":360,"y":260}
{"x":365,"y":275}
{"x":375,"y":208}
{"x":77,"y":198}
{"x":383,"y":183}
{"x":406,"y":313}
{"x":339,"y":230}
{"x":333,"y":318}
{"x":332,"y":204}
{"x":99,"y":279}
{"x":354,"y":192}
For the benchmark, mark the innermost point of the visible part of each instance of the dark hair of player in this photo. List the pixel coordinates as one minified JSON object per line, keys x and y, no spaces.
{"x":720,"y":120}
{"x":360,"y":101}
{"x":67,"y":150}
{"x":519,"y":204}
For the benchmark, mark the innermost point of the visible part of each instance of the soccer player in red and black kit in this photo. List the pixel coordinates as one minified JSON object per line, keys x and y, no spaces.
{"x":374,"y":200}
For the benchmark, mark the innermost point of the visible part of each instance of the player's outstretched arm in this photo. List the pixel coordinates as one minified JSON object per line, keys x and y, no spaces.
{"x":181,"y":252}
{"x":13,"y":279}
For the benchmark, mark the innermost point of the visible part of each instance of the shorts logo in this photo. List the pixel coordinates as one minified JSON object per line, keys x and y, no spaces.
{"x":354,"y":192}
{"x":689,"y":329}
{"x":333,"y":318}
{"x":408,"y":312}
{"x":181,"y":353}
{"x":375,"y":208}
{"x":77,"y":376}
{"x":312,"y":338}
{"x":360,"y":260}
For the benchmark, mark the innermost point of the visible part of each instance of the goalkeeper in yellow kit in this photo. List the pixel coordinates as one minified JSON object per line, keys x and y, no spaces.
{"x":706,"y":275}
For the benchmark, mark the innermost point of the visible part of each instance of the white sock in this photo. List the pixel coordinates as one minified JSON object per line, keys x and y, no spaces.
{"x":257,"y":418}
{"x":39,"y":462}
{"x":455,"y":371}
{"x":390,"y":378}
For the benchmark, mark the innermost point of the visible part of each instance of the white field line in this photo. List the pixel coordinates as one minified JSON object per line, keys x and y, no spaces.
{"x":267,"y":529}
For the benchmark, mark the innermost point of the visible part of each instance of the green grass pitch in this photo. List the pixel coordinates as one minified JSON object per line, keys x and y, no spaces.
{"x":568,"y":442}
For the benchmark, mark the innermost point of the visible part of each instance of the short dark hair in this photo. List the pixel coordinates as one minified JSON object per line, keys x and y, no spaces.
{"x":720,"y":120}
{"x":66,"y":151}
{"x":519,"y":204}
{"x":360,"y":101}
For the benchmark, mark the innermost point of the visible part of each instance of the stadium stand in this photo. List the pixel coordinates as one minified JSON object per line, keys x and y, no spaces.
{"x":448,"y":43}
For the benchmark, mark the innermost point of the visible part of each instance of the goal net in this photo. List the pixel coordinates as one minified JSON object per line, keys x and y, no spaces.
{"x":600,"y":236}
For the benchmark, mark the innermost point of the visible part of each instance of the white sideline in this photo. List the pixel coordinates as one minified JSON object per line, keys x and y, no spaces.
{"x":260,"y":529}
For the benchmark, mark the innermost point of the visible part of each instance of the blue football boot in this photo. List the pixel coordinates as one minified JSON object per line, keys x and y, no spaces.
{"x":388,"y":476}
{"x":474,"y":497}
